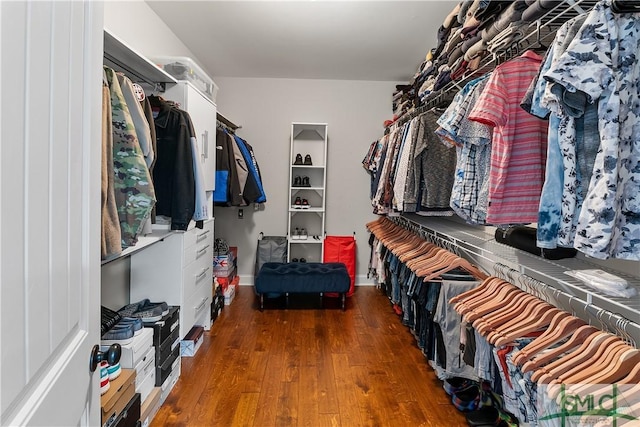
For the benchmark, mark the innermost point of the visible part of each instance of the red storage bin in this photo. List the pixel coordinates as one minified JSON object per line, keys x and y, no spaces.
{"x":342,"y":249}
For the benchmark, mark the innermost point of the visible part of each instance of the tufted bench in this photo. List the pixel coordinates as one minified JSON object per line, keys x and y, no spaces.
{"x":302,"y":277}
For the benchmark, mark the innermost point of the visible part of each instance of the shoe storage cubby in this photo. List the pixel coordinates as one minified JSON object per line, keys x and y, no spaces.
{"x":307,"y":181}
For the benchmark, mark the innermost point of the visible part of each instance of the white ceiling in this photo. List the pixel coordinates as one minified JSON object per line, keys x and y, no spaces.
{"x":343,"y":40}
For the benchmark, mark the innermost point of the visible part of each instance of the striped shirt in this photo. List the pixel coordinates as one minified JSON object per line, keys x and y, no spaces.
{"x":519,"y":142}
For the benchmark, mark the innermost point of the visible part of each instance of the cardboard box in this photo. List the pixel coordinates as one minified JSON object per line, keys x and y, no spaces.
{"x":118,"y":396}
{"x":150,"y":407}
{"x":192,"y":341}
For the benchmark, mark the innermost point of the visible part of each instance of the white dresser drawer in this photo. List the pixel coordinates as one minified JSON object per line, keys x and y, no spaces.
{"x":195,"y":310}
{"x":197,"y":235}
{"x":202,"y":249}
{"x":195,"y":275}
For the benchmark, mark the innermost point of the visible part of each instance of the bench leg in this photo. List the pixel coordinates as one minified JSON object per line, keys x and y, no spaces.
{"x":344,"y":298}
{"x":261,"y":302}
{"x":321,"y":300}
{"x":286,"y":299}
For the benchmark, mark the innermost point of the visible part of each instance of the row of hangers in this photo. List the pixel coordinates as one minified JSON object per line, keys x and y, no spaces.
{"x":568,"y":352}
{"x":424,"y":257}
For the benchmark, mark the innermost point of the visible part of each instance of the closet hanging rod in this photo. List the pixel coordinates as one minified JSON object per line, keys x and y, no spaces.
{"x":556,"y":16}
{"x":226,"y":122}
{"x":113,"y":63}
{"x":614,"y":323}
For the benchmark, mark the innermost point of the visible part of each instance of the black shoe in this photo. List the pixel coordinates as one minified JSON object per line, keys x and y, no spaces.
{"x":298,"y":159}
{"x":307,"y":160}
{"x":303,"y":260}
{"x":294,"y":260}
{"x":485,"y":416}
{"x":305,"y":182}
{"x":297,"y":182}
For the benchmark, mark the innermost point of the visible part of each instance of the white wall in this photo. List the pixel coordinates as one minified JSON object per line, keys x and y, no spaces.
{"x":135,"y":23}
{"x":265,"y":108}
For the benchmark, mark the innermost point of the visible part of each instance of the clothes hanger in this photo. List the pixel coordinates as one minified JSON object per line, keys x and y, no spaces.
{"x":543,"y":359}
{"x":543,"y":316}
{"x":531,"y":311}
{"x":587,"y":353}
{"x":574,"y":378}
{"x":433,"y":257}
{"x":417,"y":251}
{"x":606,"y":359}
{"x":429,"y":265}
{"x":538,"y":47}
{"x":495,"y":310}
{"x":429,"y":254}
{"x":622,"y":366}
{"x":459,"y":262}
{"x":489,"y":281}
{"x":495,"y":313}
{"x":496,"y":291}
{"x":561,"y":326}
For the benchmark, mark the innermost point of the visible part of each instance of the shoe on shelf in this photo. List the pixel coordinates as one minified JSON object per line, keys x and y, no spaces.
{"x":298,"y":160}
{"x":296,"y":234}
{"x":134,"y":321}
{"x":297,"y":181}
{"x":307,"y":160}
{"x":303,"y":260}
{"x":114,"y":371}
{"x":294,"y":260}
{"x":303,"y":234}
{"x":305,"y":182}
{"x":104,"y":378}
{"x":305,"y":204}
{"x":119,"y":334}
{"x":297,"y":204}
{"x":145,"y":310}
{"x":109,"y":319}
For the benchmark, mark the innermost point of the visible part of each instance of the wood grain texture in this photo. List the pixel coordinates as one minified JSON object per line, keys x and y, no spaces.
{"x":306,"y":366}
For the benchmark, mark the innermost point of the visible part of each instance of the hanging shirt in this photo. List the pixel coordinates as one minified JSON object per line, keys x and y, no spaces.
{"x":173,"y":171}
{"x":519,"y":142}
{"x":134,"y":190}
{"x":602,"y":62}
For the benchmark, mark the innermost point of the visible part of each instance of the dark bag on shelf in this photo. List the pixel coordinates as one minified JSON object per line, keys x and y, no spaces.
{"x":524,"y":238}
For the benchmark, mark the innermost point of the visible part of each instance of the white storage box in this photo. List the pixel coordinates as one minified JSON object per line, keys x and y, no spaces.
{"x":229,"y":294}
{"x":133,"y":352}
{"x":184,"y":68}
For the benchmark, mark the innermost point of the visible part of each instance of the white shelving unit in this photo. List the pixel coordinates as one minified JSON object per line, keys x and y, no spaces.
{"x":307,"y":185}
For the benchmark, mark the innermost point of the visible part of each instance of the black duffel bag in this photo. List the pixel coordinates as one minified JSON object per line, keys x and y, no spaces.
{"x":524,"y":238}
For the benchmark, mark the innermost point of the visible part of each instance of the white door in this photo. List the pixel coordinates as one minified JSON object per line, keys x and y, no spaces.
{"x":50,"y":152}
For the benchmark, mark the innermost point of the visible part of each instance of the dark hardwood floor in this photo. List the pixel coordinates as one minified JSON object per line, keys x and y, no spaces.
{"x":306,"y":366}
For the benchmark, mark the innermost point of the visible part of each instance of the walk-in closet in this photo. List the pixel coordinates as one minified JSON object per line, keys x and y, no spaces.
{"x":310,"y":213}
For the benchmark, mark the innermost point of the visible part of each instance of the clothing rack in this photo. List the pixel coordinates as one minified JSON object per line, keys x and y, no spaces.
{"x":554,"y":18}
{"x":121,"y":57}
{"x":566,"y":292}
{"x":226,"y":124}
{"x":608,"y":321}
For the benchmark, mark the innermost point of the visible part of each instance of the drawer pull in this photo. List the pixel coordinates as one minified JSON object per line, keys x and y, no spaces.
{"x":202,"y":235}
{"x":202,"y":251}
{"x":201,"y":305}
{"x":202,"y":275}
{"x":173,"y":326}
